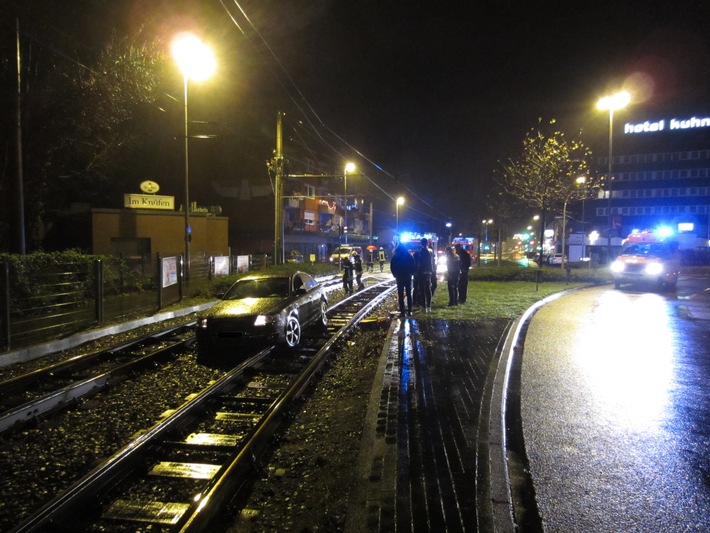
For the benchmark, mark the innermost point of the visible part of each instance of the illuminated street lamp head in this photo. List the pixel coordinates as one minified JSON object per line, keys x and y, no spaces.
{"x":614,"y":102}
{"x":194,"y":58}
{"x":400,"y":200}
{"x":581,"y":180}
{"x":349,"y":167}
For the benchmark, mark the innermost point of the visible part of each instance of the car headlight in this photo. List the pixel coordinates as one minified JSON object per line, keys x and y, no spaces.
{"x":263,"y":320}
{"x":654,"y":269}
{"x":202,"y":323}
{"x":617,"y":266}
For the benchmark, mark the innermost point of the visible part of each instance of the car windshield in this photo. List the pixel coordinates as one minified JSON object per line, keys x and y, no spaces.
{"x":258,"y":288}
{"x":652,"y":250}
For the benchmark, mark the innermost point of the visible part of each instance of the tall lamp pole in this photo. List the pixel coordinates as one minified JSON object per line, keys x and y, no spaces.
{"x":400,"y":201}
{"x":611,"y":104}
{"x":196,"y":62}
{"x":349,"y":167}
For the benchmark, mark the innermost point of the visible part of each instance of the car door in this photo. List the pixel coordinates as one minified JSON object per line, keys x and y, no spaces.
{"x":302,"y":299}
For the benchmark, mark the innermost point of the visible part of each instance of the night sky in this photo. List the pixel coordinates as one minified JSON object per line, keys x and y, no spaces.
{"x":436,"y":93}
{"x":426,"y":97}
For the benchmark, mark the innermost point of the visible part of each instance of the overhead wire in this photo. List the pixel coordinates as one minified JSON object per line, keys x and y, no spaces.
{"x":302,"y":102}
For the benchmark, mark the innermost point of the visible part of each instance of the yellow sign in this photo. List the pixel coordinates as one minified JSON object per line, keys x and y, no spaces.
{"x":148,"y":201}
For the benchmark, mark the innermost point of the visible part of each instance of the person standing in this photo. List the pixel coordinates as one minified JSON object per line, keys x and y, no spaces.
{"x":347,"y":266}
{"x":403,"y":268}
{"x":453,"y":270}
{"x":425,"y":270}
{"x":370,"y":260}
{"x":357,"y":267}
{"x":465,"y":265}
{"x":381,"y":257}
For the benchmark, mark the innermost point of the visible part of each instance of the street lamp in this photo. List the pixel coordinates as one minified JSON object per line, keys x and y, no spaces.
{"x":196,"y":61}
{"x":611,"y":104}
{"x":400,"y":201}
{"x":349,"y":167}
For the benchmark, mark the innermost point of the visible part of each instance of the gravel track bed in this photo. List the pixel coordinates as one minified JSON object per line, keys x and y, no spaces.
{"x":305,"y":483}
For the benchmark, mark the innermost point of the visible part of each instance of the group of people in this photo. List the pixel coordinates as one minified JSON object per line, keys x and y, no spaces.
{"x":458,"y":261}
{"x":422,"y":267}
{"x":419,"y":267}
{"x":349,"y":267}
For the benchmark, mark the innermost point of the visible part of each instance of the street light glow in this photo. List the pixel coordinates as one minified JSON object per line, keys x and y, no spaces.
{"x":614,"y":102}
{"x":193,"y":57}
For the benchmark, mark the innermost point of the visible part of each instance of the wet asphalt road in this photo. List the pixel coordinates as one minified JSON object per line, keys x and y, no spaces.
{"x":616,"y":409}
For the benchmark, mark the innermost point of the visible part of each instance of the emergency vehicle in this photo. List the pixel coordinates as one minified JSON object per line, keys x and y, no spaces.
{"x":647,"y":258}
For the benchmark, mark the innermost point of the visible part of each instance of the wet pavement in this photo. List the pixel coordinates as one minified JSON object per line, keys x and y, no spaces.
{"x":616,"y":410}
{"x":421,"y":449}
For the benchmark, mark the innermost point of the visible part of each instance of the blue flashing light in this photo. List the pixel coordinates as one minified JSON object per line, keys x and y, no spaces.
{"x":664,"y":232}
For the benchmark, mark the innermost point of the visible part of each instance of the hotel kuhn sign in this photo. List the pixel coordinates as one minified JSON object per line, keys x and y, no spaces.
{"x":149,"y":200}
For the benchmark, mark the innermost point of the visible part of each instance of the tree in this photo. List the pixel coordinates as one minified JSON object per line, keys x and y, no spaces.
{"x":544,"y":175}
{"x":88,"y":112}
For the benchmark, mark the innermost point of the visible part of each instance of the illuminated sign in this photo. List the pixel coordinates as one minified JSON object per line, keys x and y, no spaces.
{"x":148,"y":201}
{"x":673,"y":124}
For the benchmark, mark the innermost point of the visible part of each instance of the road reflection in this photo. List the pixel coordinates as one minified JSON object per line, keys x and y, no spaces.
{"x":625,"y":357}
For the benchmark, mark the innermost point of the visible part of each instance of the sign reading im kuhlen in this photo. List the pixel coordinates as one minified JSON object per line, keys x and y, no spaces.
{"x":149,"y":200}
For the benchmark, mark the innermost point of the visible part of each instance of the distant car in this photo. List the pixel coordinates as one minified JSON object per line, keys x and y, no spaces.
{"x":343,"y":251}
{"x":654,"y":263}
{"x":259,"y":310}
{"x":556,"y":259}
{"x":294,"y":256}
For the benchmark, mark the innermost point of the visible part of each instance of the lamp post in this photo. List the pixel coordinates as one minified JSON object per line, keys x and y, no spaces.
{"x":349,"y":167}
{"x":611,"y":104}
{"x":196,"y":62}
{"x":400,"y":201}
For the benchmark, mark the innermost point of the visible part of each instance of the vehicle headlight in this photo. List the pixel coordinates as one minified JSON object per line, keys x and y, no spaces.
{"x":263,"y":320}
{"x":617,"y":266}
{"x":202,"y":323}
{"x":654,"y":269}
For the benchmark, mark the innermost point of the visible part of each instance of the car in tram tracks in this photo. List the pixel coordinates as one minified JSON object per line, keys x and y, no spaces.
{"x":259,"y":310}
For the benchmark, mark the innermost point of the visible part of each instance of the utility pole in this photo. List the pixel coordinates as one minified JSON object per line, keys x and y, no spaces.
{"x":277,"y":165}
{"x":19,"y":196}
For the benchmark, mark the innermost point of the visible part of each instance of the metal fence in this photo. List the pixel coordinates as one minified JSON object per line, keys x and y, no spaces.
{"x":69,"y":297}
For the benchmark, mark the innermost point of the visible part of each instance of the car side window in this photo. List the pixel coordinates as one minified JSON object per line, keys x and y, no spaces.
{"x":309,"y":281}
{"x":297,"y":282}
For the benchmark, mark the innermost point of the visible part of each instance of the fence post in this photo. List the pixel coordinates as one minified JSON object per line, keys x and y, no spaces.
{"x":181,"y":276}
{"x":159,"y":281}
{"x":99,"y":290}
{"x":5,"y":303}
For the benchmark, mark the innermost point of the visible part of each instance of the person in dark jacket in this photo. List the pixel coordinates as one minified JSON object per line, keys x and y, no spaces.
{"x":465,"y":265}
{"x":453,"y":270}
{"x":426,"y":269}
{"x":347,"y":266}
{"x":403,"y":267}
{"x":357,"y":267}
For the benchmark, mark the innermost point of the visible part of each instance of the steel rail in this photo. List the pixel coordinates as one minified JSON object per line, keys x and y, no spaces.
{"x":204,"y":507}
{"x":63,"y":395}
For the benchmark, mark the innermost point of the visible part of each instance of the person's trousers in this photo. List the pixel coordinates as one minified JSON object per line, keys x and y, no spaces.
{"x":463,"y":286}
{"x":453,"y":285}
{"x":424,"y":283}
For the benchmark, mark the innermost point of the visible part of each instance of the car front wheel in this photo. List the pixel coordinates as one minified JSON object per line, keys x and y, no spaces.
{"x":323,"y":313}
{"x":293,"y":332}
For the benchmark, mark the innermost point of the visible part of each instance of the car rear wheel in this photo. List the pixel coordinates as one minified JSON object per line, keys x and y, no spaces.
{"x":293,"y":332}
